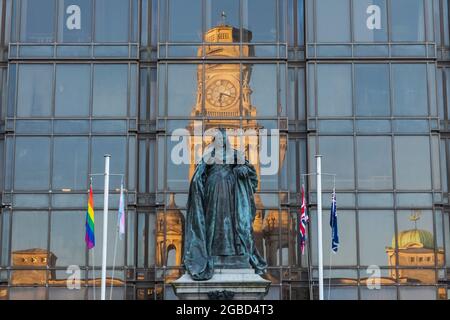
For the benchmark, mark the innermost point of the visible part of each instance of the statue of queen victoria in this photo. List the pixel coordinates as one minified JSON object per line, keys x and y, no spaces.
{"x":220,"y":213}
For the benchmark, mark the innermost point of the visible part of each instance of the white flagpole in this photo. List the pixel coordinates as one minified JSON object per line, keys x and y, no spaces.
{"x":105,"y":226}
{"x":319,"y":222}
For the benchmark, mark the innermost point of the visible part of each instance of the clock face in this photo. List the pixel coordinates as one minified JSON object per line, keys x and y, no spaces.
{"x":221,"y":93}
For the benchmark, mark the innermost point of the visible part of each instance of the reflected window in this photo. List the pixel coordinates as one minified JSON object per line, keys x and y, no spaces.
{"x":75,"y":22}
{"x":333,"y":20}
{"x":407,"y":20}
{"x":37,"y":21}
{"x":34,"y":97}
{"x":364,"y":15}
{"x":110,"y":90}
{"x":32,"y":163}
{"x":334,"y":90}
{"x":372,"y":90}
{"x":260,"y":18}
{"x":112,"y":20}
{"x":70,"y":163}
{"x":185,"y":20}
{"x":412,"y":163}
{"x":66,"y":241}
{"x":73,"y":87}
{"x":374,"y":160}
{"x":409,"y":83}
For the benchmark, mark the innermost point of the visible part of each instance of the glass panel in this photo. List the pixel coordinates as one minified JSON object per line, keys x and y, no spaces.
{"x":37,"y":21}
{"x":339,"y":163}
{"x":263,"y":84}
{"x":334,"y":90}
{"x":370,"y":20}
{"x":73,"y":88}
{"x":384,"y":293}
{"x":412,"y":155}
{"x":75,"y":23}
{"x":409,"y":83}
{"x":117,"y":148}
{"x":70,"y":163}
{"x":346,"y":255}
{"x":417,"y":293}
{"x":374,"y":160}
{"x":260,"y":19}
{"x":32,"y":164}
{"x":182,"y":89}
{"x":67,"y":238}
{"x":372,"y":90}
{"x":407,"y":20}
{"x":185,"y":21}
{"x":333,"y":20}
{"x":112,"y":20}
{"x":34,"y":97}
{"x":214,"y":9}
{"x":29,"y":230}
{"x":110,"y":90}
{"x":376,"y":234}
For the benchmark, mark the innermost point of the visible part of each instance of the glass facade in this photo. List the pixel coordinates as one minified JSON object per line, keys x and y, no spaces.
{"x":364,"y":83}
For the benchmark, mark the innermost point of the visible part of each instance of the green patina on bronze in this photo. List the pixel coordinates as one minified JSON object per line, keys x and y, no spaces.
{"x":220,"y":214}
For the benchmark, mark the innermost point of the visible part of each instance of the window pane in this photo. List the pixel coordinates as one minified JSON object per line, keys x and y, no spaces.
{"x":67,"y":238}
{"x":32,"y":164}
{"x":337,"y":155}
{"x":70,"y":163}
{"x":34,"y":97}
{"x":407,"y":20}
{"x":73,"y":87}
{"x":182,"y":89}
{"x":110,"y":90}
{"x":346,"y":255}
{"x":372,"y":90}
{"x":409,"y":83}
{"x":263,"y":84}
{"x":117,"y":148}
{"x":37,"y":21}
{"x":112,"y":20}
{"x":260,"y":19}
{"x":185,"y":20}
{"x":333,"y":20}
{"x":29,"y":230}
{"x":412,"y":163}
{"x":376,"y":231}
{"x":374,"y":161}
{"x":334,"y":90}
{"x":76,"y":24}
{"x":362,"y":21}
{"x":214,"y":9}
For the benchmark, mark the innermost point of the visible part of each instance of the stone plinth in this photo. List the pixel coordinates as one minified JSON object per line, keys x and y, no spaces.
{"x":239,"y":284}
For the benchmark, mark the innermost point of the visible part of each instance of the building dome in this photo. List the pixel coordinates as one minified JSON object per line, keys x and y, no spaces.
{"x":414,"y":238}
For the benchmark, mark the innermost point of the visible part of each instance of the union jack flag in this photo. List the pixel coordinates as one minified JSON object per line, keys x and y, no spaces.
{"x":303,"y":225}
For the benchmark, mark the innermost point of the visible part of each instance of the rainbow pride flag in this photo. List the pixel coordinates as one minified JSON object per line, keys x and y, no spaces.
{"x":90,"y":222}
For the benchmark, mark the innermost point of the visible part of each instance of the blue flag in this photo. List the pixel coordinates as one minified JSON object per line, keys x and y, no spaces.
{"x":334,"y":224}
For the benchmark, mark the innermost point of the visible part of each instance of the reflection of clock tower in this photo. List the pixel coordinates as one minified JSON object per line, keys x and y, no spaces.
{"x":222,"y":92}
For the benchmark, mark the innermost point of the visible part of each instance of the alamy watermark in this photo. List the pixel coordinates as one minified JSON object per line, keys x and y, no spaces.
{"x":259,"y":147}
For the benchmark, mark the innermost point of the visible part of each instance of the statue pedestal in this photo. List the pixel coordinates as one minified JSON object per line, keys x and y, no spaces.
{"x":226,"y":284}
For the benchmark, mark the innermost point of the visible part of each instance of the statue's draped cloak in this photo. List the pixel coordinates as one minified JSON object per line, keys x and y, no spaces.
{"x":220,"y":214}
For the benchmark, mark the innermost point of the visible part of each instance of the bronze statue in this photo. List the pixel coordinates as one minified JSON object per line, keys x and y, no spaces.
{"x":220,"y":213}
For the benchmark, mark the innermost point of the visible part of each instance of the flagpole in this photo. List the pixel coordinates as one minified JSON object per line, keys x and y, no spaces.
{"x":319,"y":222}
{"x":105,"y":226}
